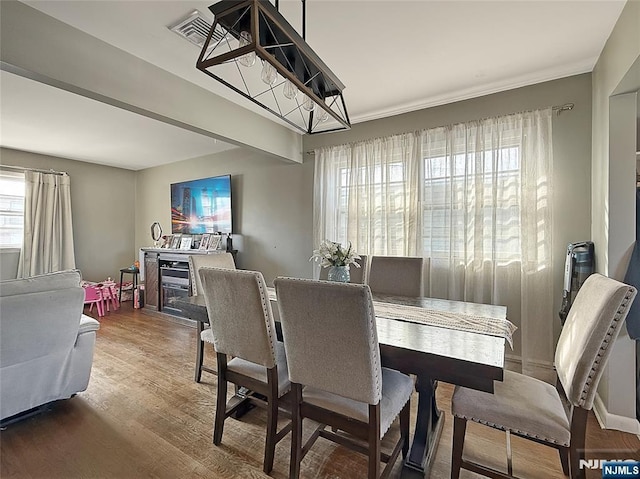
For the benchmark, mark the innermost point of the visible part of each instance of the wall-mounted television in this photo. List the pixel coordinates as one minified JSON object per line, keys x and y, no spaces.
{"x":201,"y":206}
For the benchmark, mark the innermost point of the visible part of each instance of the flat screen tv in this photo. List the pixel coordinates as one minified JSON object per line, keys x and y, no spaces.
{"x":201,"y":206}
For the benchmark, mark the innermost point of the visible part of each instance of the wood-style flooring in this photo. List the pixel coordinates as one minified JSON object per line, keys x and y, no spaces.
{"x":143,"y":416}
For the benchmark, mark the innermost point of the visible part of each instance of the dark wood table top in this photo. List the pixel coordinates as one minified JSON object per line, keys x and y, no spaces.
{"x":460,"y":357}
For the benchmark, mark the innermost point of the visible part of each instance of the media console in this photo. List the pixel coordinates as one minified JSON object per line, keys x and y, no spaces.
{"x":166,"y":277}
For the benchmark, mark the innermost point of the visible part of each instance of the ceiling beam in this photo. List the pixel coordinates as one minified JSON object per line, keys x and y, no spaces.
{"x":44,"y":49}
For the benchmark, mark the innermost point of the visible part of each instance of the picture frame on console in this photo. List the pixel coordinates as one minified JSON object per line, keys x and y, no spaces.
{"x":204,"y":241}
{"x":214,"y":242}
{"x":185,"y":242}
{"x":175,"y":241}
{"x":166,"y":243}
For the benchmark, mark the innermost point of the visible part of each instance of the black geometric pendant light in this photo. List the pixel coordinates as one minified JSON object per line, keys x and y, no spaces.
{"x":254,"y":51}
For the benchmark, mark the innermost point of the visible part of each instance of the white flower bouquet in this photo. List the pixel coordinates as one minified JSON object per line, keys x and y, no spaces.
{"x":330,"y":253}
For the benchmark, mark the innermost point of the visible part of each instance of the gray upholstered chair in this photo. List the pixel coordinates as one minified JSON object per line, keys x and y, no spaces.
{"x":331,"y":342}
{"x":356,"y":275}
{"x":242,"y":322}
{"x":214,"y":260}
{"x":396,"y":275}
{"x":536,"y":410}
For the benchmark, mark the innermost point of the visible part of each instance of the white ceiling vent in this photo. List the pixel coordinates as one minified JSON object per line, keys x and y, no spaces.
{"x":195,"y":28}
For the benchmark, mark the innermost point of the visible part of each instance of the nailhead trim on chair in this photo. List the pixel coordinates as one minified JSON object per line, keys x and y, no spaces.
{"x":517,"y":431}
{"x":596,"y":364}
{"x":264,"y":297}
{"x":371,"y":315}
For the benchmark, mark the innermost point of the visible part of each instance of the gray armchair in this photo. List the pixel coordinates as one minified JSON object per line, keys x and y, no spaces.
{"x":345,"y":386}
{"x":535,"y":410}
{"x":46,"y":345}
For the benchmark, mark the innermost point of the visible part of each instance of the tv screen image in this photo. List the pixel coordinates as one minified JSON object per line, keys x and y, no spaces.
{"x":201,"y":206}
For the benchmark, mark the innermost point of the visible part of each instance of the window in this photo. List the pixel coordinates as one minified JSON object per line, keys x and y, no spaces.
{"x":11,"y":209}
{"x":472,"y":200}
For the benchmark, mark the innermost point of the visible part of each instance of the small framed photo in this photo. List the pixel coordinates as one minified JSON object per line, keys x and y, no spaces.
{"x":185,"y":242}
{"x":214,"y":242}
{"x":204,"y":241}
{"x":175,"y":241}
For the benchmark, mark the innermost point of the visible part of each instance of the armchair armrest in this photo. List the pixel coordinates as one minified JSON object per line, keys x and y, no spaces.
{"x":87,"y":324}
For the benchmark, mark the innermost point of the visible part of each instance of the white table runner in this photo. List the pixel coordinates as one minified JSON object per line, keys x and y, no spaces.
{"x":445,"y":319}
{"x":442,"y":319}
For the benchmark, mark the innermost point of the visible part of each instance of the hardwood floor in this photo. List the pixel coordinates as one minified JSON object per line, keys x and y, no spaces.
{"x":144,"y":416}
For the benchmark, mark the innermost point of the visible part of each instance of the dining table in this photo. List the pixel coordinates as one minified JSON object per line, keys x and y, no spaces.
{"x":456,"y":342}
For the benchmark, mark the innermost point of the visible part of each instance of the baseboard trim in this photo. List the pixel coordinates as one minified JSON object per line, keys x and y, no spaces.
{"x":613,"y":421}
{"x":542,"y":370}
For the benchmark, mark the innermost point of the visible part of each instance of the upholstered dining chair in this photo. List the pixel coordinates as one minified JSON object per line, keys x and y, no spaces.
{"x":215,"y":260}
{"x":242,"y":323}
{"x":535,"y":410}
{"x":356,"y":275}
{"x":338,"y":382}
{"x":396,"y":275}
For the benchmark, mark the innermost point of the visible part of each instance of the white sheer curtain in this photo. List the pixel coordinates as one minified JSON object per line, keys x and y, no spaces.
{"x":473,"y":198}
{"x":48,"y":229}
{"x":368,"y":194}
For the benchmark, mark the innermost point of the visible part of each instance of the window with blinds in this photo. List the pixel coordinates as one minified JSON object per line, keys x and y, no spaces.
{"x":11,"y":209}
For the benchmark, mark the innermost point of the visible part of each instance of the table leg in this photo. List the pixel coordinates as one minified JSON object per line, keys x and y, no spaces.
{"x":429,"y":423}
{"x":120,"y":294}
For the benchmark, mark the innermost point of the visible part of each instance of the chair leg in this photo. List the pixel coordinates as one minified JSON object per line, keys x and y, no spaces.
{"x":576,"y":448}
{"x":404,"y":428}
{"x":459,"y":428}
{"x":564,"y":460}
{"x":199,"y":359}
{"x":221,"y":400}
{"x":272,"y":419}
{"x":296,"y":431}
{"x":374,"y":441}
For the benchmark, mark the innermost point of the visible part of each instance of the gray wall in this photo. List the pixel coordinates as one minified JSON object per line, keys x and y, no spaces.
{"x":271,"y":201}
{"x":571,"y":149}
{"x":102,"y":204}
{"x":612,"y":202}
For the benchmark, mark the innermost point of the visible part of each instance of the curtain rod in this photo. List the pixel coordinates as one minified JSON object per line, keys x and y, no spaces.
{"x":560,"y":108}
{"x":557,"y":108}
{"x":22,"y":168}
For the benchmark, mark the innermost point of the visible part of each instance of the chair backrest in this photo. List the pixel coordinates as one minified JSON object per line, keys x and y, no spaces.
{"x":396,"y":275}
{"x":92,"y":294}
{"x":356,"y":275}
{"x":240,"y":314}
{"x":330,"y":337}
{"x":592,"y":325}
{"x":215,"y":260}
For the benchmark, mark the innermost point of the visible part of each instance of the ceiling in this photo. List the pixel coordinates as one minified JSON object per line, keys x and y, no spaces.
{"x":393,"y":57}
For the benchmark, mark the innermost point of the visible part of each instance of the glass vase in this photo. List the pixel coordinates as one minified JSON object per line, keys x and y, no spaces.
{"x":338,"y":273}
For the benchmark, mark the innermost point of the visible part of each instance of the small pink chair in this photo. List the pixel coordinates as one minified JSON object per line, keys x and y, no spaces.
{"x":109,"y":294}
{"x":93,"y":295}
